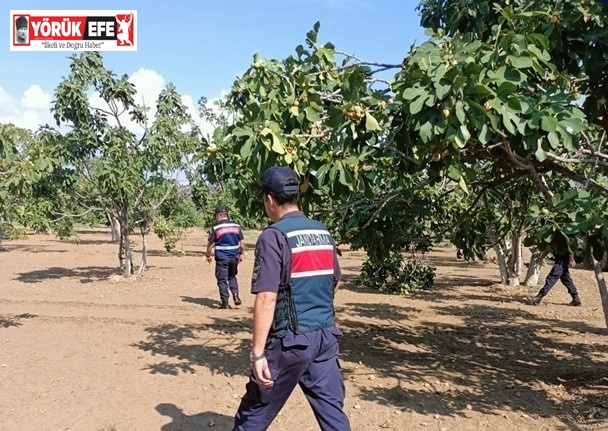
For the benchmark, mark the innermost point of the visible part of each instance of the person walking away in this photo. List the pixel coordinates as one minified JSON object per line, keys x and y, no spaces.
{"x":226,"y":236}
{"x":559,"y":271}
{"x":294,"y":337}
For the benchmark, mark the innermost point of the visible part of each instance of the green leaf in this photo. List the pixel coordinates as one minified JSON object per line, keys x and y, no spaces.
{"x":411,"y":93}
{"x":247,"y":147}
{"x":553,"y":140}
{"x":294,"y":110}
{"x":541,"y":54}
{"x":509,"y":120}
{"x":458,"y":142}
{"x":342,"y":174}
{"x":482,"y":90}
{"x":371,"y":123}
{"x":277,"y":146}
{"x":539,"y":39}
{"x":574,"y":125}
{"x":506,"y":88}
{"x":439,"y":73}
{"x":312,"y":114}
{"x":463,"y":185}
{"x":459,"y":81}
{"x":454,"y":172}
{"x":521,"y":62}
{"x":442,"y":89}
{"x":416,"y":105}
{"x":548,"y":123}
{"x":465,"y":132}
{"x":460,"y":112}
{"x":239,"y":132}
{"x":540,"y":154}
{"x":484,"y":134}
{"x":426,"y":131}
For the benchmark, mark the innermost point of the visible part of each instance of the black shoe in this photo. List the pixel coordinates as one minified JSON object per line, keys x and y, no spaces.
{"x":576,"y":302}
{"x":237,"y":300}
{"x":224,"y":304}
{"x":535,"y":300}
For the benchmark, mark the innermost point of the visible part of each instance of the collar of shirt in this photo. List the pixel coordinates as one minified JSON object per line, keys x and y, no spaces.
{"x":293,"y":214}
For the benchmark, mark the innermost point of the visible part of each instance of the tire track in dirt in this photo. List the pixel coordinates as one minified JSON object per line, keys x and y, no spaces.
{"x":232,"y":326}
{"x":80,"y":304}
{"x":17,"y":312}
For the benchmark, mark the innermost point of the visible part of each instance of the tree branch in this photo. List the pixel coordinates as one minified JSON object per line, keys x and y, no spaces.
{"x":581,"y":179}
{"x":75,"y":215}
{"x":526,"y":165}
{"x":380,"y":208}
{"x":579,"y":161}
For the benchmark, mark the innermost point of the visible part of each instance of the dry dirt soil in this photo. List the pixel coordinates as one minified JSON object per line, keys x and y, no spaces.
{"x":84,"y":349}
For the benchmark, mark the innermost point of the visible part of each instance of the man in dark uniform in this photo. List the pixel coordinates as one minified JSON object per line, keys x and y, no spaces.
{"x":21,"y":36}
{"x":227,"y":238}
{"x":295,"y":340}
{"x":559,"y":271}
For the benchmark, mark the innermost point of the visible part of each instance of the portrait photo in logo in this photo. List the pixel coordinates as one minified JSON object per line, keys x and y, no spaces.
{"x":22,"y":30}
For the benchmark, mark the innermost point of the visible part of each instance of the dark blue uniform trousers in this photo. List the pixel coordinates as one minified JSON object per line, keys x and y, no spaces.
{"x":309,"y":360}
{"x":559,"y":271}
{"x":225,"y":273}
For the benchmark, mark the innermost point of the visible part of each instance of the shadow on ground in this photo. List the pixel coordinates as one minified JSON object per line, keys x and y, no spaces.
{"x":205,"y":302}
{"x":183,"y":422}
{"x":15,"y":321}
{"x":469,"y":350}
{"x":495,"y":359}
{"x":249,"y":248}
{"x":87,"y":274}
{"x":222,"y":346}
{"x":29,"y":248}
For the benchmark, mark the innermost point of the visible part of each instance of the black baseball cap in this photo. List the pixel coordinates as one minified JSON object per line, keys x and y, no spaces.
{"x":280,"y":179}
{"x":221,"y":209}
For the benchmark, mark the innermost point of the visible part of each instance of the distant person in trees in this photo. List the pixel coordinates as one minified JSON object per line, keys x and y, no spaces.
{"x":227,"y":238}
{"x":21,"y":35}
{"x":563,"y":260}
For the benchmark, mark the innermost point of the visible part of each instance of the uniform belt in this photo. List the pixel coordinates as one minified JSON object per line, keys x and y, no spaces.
{"x":227,"y":247}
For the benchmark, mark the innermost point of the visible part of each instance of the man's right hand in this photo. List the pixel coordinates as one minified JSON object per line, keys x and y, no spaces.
{"x":209,"y":259}
{"x":262,"y":373}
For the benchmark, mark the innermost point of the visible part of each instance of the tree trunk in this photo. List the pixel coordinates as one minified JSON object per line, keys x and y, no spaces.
{"x":2,"y":235}
{"x":536,"y":261}
{"x":587,"y":258}
{"x":514,"y":261}
{"x":124,"y":227}
{"x":121,"y":251}
{"x":114,"y":227}
{"x":502,"y":264}
{"x":144,"y":250}
{"x":601,"y":283}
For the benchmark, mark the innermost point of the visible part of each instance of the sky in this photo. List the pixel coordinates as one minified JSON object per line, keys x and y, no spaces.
{"x":202,"y":46}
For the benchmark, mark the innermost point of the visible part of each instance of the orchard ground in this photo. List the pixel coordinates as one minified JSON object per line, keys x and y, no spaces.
{"x":82,"y":348}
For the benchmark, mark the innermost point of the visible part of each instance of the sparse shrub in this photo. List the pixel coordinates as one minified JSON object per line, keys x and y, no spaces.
{"x":10,"y":232}
{"x":395,"y":276}
{"x":168,"y":232}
